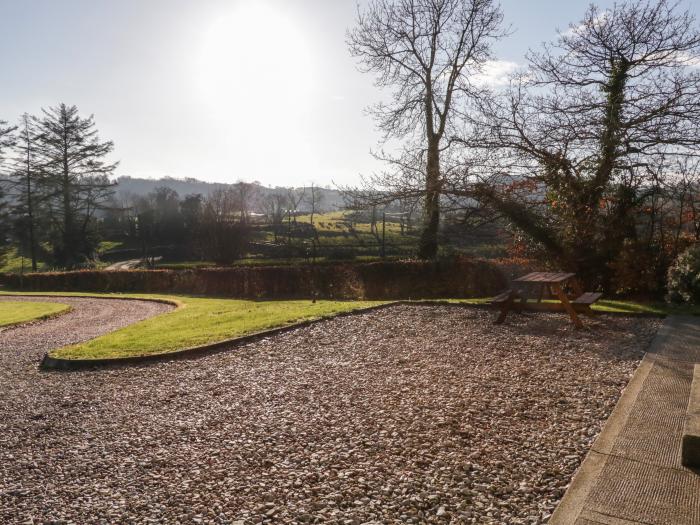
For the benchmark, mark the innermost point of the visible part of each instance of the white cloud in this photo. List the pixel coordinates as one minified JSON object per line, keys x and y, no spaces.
{"x":496,"y":73}
{"x":598,"y":21}
{"x":688,"y":59}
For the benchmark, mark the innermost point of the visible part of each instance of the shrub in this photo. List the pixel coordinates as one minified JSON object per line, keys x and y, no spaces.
{"x":684,"y":277}
{"x":639,"y":270}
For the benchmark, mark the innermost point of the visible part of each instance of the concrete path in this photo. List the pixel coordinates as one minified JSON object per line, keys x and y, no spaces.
{"x":633,"y":473}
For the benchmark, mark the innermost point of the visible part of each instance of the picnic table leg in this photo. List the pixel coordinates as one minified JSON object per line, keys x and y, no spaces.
{"x":586,"y":310}
{"x":505,"y":308}
{"x":567,"y":305}
{"x":521,"y":305}
{"x":542,"y":288}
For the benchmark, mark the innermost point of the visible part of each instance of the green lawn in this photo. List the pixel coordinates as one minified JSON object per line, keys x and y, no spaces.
{"x":621,"y":307}
{"x":199,"y":321}
{"x":657,"y":308}
{"x":15,"y":312}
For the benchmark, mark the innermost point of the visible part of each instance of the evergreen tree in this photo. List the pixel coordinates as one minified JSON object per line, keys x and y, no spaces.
{"x":76,"y":173}
{"x":6,"y":143}
{"x":28,"y":190}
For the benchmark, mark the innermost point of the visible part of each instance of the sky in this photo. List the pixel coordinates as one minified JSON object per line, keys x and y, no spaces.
{"x":220,"y":90}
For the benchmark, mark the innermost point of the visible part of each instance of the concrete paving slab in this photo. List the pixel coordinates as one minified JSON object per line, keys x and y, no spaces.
{"x":584,"y":521}
{"x":690,"y":456}
{"x":596,"y":518}
{"x":633,"y":473}
{"x":654,"y":429}
{"x":645,"y":493}
{"x":682,"y":341}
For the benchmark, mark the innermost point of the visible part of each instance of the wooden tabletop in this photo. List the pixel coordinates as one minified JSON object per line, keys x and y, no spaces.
{"x":545,"y":277}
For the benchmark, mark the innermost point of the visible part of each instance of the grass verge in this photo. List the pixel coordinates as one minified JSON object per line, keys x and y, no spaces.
{"x":15,"y":312}
{"x":620,"y":307}
{"x":199,"y":321}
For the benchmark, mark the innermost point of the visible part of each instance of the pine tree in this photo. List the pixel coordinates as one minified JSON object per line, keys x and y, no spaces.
{"x":27,"y":188}
{"x":7,"y":141}
{"x":75,"y":171}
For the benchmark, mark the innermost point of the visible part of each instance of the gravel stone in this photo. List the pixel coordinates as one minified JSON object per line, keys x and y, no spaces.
{"x":412,"y":414}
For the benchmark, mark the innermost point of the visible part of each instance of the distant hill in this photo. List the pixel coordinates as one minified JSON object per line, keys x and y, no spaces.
{"x":331,"y":200}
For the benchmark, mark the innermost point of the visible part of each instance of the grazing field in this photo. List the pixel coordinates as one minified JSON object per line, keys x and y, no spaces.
{"x":410,"y":414}
{"x":12,"y":313}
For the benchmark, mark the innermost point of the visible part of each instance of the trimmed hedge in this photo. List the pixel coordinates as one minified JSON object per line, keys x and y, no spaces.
{"x":378,"y":280}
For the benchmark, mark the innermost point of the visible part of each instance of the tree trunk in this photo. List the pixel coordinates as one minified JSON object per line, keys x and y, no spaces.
{"x":68,"y":255}
{"x":30,"y":216}
{"x":592,"y":254}
{"x":428,"y":244}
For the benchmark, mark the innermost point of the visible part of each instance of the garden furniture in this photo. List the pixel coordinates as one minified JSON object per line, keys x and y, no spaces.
{"x":550,"y":285}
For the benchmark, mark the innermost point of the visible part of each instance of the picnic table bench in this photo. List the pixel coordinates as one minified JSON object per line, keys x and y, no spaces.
{"x":548,"y":285}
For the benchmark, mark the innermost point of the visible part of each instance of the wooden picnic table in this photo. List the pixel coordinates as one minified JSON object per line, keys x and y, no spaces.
{"x":552,"y":285}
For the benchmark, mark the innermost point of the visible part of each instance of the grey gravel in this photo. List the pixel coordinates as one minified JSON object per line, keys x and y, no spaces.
{"x":412,"y":414}
{"x":87,"y":319}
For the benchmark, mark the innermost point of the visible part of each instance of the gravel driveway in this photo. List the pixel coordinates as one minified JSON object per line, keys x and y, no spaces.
{"x":411,"y":414}
{"x":24,"y":345}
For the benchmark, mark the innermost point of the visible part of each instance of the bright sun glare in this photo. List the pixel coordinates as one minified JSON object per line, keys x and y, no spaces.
{"x":256,"y":78}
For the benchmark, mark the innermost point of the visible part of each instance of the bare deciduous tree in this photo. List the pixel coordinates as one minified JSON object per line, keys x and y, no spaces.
{"x":295,"y":196}
{"x":577,"y":138}
{"x":224,"y":236}
{"x":246,"y":195}
{"x":314,"y":198}
{"x":275,"y":205}
{"x":426,"y":51}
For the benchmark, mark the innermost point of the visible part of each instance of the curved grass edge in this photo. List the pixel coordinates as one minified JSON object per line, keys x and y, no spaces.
{"x":57,"y":363}
{"x":156,"y":298}
{"x":65,"y":308}
{"x":188,"y":344}
{"x":53,"y":361}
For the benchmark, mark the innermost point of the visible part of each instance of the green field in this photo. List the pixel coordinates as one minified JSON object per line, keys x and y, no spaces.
{"x":16,"y":312}
{"x":260,"y":261}
{"x":13,"y":263}
{"x":338,"y":228}
{"x":198,"y":321}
